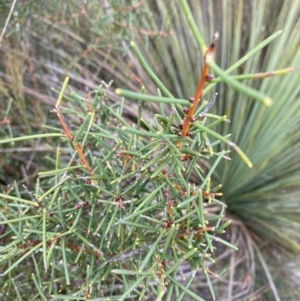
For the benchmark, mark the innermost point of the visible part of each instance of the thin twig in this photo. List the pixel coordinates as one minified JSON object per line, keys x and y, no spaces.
{"x":76,"y":145}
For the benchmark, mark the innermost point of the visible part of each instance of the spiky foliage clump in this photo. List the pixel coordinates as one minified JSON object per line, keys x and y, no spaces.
{"x":264,"y":200}
{"x":124,"y":228}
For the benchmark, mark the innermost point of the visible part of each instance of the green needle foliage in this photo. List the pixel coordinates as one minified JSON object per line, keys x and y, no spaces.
{"x":124,"y":229}
{"x":91,"y":42}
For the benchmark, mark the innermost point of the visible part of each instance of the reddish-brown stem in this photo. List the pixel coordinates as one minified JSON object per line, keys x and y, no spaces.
{"x":76,"y":145}
{"x":64,"y":126}
{"x":199,"y":90}
{"x":83,"y":159}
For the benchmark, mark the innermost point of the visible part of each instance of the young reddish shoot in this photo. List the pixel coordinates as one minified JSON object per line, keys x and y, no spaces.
{"x":205,"y":77}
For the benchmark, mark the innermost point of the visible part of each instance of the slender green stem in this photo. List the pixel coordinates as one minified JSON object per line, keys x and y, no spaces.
{"x":150,"y":98}
{"x":9,"y":197}
{"x":255,"y":75}
{"x":193,"y":26}
{"x":45,"y":239}
{"x":62,"y":92}
{"x":147,"y":68}
{"x":31,"y":137}
{"x":267,"y":101}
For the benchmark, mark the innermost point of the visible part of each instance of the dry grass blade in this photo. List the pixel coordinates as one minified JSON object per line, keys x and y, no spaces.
{"x":7,"y":20}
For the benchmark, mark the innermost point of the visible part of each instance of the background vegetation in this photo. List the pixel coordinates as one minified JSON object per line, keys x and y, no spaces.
{"x":90,"y":43}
